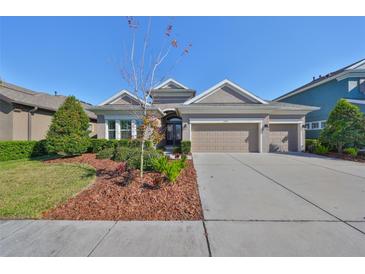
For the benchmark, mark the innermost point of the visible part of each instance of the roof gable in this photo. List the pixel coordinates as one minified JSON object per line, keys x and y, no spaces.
{"x":123,"y":97}
{"x":226,"y":92}
{"x":170,"y":84}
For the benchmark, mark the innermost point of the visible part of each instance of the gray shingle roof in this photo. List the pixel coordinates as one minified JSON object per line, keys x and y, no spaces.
{"x":23,"y":96}
{"x":320,"y":79}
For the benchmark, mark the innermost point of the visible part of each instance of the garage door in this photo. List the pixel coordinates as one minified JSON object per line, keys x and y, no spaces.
{"x":283,"y":137}
{"x":224,"y":137}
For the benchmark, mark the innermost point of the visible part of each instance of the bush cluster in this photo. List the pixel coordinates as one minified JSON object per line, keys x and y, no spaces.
{"x":353,"y":151}
{"x":132,"y":156}
{"x":321,"y":149}
{"x":171,"y":169}
{"x":185,"y":147}
{"x":106,"y":153}
{"x":14,"y":150}
{"x":310,"y":145}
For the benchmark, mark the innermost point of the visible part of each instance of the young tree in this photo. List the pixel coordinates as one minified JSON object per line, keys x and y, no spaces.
{"x":68,"y":133}
{"x":143,"y":69}
{"x":345,"y":126}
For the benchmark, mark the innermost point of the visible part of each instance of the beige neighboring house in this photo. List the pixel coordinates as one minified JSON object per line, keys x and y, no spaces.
{"x":224,"y":118}
{"x":27,"y":115}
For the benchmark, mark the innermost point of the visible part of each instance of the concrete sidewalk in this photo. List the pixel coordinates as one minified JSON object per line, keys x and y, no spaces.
{"x":102,"y":238}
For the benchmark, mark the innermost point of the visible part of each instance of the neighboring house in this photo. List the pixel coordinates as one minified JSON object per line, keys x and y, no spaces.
{"x":224,"y":118}
{"x":325,"y":91}
{"x":27,"y":115}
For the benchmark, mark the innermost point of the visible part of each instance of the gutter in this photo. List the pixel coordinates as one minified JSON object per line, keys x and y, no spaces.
{"x":30,"y":112}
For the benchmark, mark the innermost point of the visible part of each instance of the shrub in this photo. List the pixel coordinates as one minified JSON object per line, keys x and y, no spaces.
{"x":351,"y":151}
{"x":185,"y":147}
{"x":68,"y":133}
{"x":182,"y":161}
{"x":176,"y":150}
{"x":160,"y":164}
{"x":97,"y":145}
{"x":170,"y":169}
{"x":13,"y":150}
{"x":345,"y":126}
{"x":173,"y":171}
{"x":321,"y":149}
{"x":310,"y":144}
{"x":135,"y":143}
{"x":106,"y":153}
{"x":133,"y":157}
{"x":123,"y":153}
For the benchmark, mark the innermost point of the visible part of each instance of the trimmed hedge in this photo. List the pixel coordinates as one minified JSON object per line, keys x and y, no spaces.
{"x":14,"y":150}
{"x":101,"y":144}
{"x":185,"y":147}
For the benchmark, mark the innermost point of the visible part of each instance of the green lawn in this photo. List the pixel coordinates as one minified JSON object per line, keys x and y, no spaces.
{"x":29,"y":187}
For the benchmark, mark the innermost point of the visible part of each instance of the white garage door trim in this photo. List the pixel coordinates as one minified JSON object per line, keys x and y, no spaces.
{"x":299,"y":122}
{"x":230,"y":121}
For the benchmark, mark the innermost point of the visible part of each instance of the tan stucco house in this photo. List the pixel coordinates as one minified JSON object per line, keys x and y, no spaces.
{"x":27,"y":115}
{"x":224,"y":118}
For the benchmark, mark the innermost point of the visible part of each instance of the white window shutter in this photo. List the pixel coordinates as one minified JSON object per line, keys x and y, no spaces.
{"x":134,"y":129}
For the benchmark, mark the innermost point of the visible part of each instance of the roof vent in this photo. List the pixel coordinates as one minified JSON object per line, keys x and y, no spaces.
{"x":314,"y":78}
{"x":55,"y":93}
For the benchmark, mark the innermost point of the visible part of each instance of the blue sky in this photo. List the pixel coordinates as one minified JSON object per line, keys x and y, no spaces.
{"x":266,"y":55}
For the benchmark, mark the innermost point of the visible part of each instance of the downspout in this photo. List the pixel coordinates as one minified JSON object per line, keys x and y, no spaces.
{"x":30,"y":122}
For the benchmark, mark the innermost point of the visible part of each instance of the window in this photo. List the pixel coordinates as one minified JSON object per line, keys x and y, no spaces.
{"x":315,"y":125}
{"x":362,"y":85}
{"x":111,"y":129}
{"x":352,"y":85}
{"x":307,"y":125}
{"x":125,"y":129}
{"x":323,"y":124}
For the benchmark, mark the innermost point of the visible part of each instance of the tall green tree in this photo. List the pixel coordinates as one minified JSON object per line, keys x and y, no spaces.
{"x":68,"y":133}
{"x":345,"y":126}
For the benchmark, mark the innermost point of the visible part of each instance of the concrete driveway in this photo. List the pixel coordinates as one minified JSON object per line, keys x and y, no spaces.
{"x":282,"y":205}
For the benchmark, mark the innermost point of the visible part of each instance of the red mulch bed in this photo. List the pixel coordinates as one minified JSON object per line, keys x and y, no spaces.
{"x":347,"y":157}
{"x":109,"y":199}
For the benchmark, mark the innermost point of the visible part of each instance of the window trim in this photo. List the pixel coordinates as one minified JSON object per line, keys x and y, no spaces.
{"x":320,"y":125}
{"x":108,"y":129}
{"x":133,"y":123}
{"x":128,"y":129}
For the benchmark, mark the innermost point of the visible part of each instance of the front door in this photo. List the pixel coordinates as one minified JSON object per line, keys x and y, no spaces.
{"x":173,"y":134}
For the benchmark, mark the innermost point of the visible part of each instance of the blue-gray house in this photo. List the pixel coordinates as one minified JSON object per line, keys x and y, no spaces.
{"x":325,"y":91}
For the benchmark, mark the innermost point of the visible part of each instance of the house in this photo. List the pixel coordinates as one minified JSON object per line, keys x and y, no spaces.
{"x":27,"y":115}
{"x":325,"y":91}
{"x":224,"y":118}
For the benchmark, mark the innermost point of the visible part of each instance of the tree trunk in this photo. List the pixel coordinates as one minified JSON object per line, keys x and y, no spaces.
{"x":339,"y":147}
{"x":143,"y":140}
{"x":142,"y":151}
